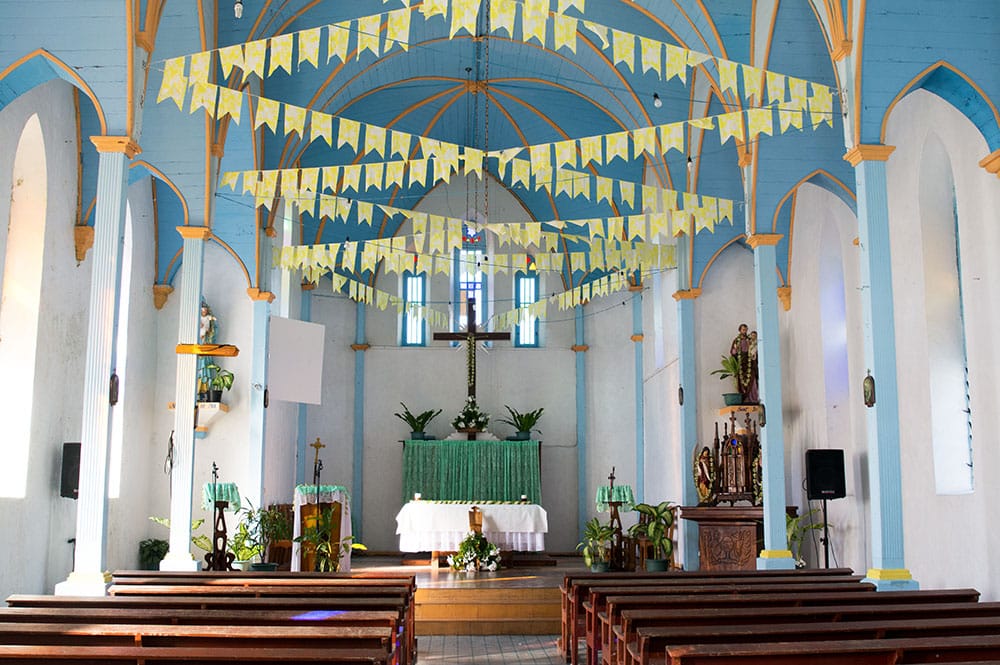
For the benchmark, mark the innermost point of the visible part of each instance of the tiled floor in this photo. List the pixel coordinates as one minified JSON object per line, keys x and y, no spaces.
{"x":488,"y":650}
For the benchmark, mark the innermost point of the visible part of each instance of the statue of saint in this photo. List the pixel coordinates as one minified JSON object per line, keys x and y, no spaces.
{"x":744,"y":349}
{"x":704,"y":476}
{"x":207,"y":329}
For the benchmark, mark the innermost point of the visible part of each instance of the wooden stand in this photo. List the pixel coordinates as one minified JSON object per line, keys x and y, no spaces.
{"x":309,"y":516}
{"x":219,"y":558}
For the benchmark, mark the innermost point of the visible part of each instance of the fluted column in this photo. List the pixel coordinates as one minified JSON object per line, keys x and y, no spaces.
{"x":580,"y":350}
{"x":88,"y":576}
{"x":258,"y":390}
{"x":888,"y":570}
{"x":772,"y":438}
{"x":358,"y":475}
{"x":688,"y":387}
{"x":185,"y":389}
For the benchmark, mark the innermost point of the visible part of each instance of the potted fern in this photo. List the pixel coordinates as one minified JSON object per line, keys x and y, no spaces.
{"x":524,"y":423}
{"x":417,"y":422}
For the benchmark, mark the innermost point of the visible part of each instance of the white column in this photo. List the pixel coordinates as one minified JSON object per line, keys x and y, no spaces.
{"x":88,"y":577}
{"x":258,"y":386}
{"x":182,"y":475}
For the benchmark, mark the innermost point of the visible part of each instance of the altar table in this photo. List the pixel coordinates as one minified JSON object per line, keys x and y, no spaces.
{"x":429,"y":526}
{"x":472,"y":470}
{"x":327,"y":494}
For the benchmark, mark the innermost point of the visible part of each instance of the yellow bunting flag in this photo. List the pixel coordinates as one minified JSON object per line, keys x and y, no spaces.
{"x":336,"y":41}
{"x":502,"y":13}
{"x":821,"y":105}
{"x":627,"y":190}
{"x":253,"y":58}
{"x":352,"y":177}
{"x":331,"y":175}
{"x":229,"y":179}
{"x":200,"y":64}
{"x":394,"y":175}
{"x":591,"y":150}
{"x":203,"y":96}
{"x":366,"y":212}
{"x":672,"y":137}
{"x":540,"y":156}
{"x":400,"y":144}
{"x":604,"y":189}
{"x":281,"y":53}
{"x":309,"y":46}
{"x":369,"y":33}
{"x":431,"y":8}
{"x":694,"y":59}
{"x":760,"y":121}
{"x":373,"y":175}
{"x":797,"y":93}
{"x":349,"y":134}
{"x":250,"y":181}
{"x":566,"y":4}
{"x":267,"y":114}
{"x":565,"y":153}
{"x":623,"y":48}
{"x":534,"y":16}
{"x":429,"y":147}
{"x":229,"y":57}
{"x":730,"y":125}
{"x":703,"y":123}
{"x":581,"y":186}
{"x":601,"y":32}
{"x":321,"y":126}
{"x":618,"y":143}
{"x":644,"y":140}
{"x":520,"y":172}
{"x":563,"y":185}
{"x":651,"y":54}
{"x":464,"y":14}
{"x":726,"y":210}
{"x":374,"y":139}
{"x":266,"y":188}
{"x":473,"y":160}
{"x":676,"y":63}
{"x":397,"y":31}
{"x":727,"y":76}
{"x":309,"y":179}
{"x":418,"y":171}
{"x":689,"y":201}
{"x":230,"y":103}
{"x":564,"y":32}
{"x":174,"y":85}
{"x":295,"y":119}
{"x":775,"y":88}
{"x":789,"y":118}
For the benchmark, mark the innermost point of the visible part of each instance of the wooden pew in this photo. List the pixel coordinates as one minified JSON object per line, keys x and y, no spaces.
{"x":575,"y":590}
{"x":598,"y":625}
{"x":633,"y":620}
{"x":91,"y":655}
{"x":789,"y":597}
{"x":961,"y":649}
{"x":653,"y":643}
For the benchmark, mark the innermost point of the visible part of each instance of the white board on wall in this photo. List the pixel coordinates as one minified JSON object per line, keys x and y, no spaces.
{"x":295,"y":360}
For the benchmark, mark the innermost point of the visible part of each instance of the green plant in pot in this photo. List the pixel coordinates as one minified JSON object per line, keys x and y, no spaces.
{"x":524,"y":423}
{"x":596,"y":544}
{"x":263,"y":527}
{"x":730,"y":369}
{"x":219,"y":379}
{"x":151,"y":553}
{"x":199,"y":540}
{"x":239,"y":545}
{"x":655,"y":527}
{"x":417,"y":422}
{"x":329,"y":548}
{"x":796,"y":529}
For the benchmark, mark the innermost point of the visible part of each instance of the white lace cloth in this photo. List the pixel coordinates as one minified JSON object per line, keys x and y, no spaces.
{"x":425,"y":526}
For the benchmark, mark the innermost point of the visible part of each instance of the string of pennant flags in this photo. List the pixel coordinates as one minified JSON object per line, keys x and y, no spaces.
{"x":527,"y":20}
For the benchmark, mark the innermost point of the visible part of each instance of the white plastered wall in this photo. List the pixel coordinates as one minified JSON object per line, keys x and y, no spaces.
{"x":949,"y":539}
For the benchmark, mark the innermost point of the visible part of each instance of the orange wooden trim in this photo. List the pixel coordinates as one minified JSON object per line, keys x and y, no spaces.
{"x":868,"y":153}
{"x":857,"y":242}
{"x":160,"y":293}
{"x":991,"y":162}
{"x":637,"y":338}
{"x":635,"y":288}
{"x":580,"y":348}
{"x":689,"y":294}
{"x":83,"y":239}
{"x":308,"y":286}
{"x":745,"y":156}
{"x":196,"y":232}
{"x":843,"y":50}
{"x":116,"y":144}
{"x":765,"y":239}
{"x":224,"y":350}
{"x":218,"y":150}
{"x":361,"y":347}
{"x":258,"y":295}
{"x":785,"y":296}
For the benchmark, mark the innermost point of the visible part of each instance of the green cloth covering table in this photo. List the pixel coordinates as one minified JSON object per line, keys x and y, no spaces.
{"x":213,"y":492}
{"x":472,"y":470}
{"x":621,"y":493}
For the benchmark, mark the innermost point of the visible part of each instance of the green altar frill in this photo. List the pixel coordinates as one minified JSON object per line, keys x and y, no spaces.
{"x":472,"y":470}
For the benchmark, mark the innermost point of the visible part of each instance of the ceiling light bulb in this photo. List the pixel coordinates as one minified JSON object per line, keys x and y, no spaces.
{"x":657,"y":102}
{"x":238,"y":9}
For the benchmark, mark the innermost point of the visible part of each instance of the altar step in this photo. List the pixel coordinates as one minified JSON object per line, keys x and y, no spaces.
{"x":478,"y":611}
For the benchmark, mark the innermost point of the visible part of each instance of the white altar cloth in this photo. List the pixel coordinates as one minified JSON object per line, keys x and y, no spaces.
{"x":427,"y":526}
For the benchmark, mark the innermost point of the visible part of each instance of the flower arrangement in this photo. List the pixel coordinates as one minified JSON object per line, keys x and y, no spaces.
{"x":475,"y":553}
{"x":470,"y":417}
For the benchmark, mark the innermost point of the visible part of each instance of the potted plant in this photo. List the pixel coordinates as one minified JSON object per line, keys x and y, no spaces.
{"x":151,"y":553}
{"x":522,"y":422}
{"x":795,"y":531}
{"x":219,"y":379}
{"x":320,"y":539}
{"x":470,"y":418}
{"x":475,"y":553}
{"x":730,"y":369}
{"x":655,"y":526}
{"x":417,"y":422}
{"x":239,"y":545}
{"x":596,"y":545}
{"x":264,"y":526}
{"x":199,"y":540}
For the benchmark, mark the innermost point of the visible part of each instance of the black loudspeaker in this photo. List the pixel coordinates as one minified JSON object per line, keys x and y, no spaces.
{"x":825,"y":474}
{"x":69,"y":483}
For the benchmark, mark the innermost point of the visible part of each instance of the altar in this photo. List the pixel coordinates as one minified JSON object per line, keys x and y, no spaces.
{"x":456,"y":470}
{"x":434,"y":526}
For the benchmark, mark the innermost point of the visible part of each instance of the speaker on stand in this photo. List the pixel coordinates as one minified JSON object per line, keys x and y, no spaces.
{"x":825,"y":481}
{"x":69,"y":476}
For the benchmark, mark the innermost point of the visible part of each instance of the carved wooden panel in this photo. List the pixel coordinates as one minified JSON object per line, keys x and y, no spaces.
{"x":728,"y":546}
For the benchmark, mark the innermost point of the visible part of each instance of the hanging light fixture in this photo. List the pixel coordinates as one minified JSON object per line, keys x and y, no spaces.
{"x":238,"y":9}
{"x":657,"y":102}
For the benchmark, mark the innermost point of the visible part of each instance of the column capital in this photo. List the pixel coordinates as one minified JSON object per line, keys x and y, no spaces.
{"x":687,"y":294}
{"x":308,"y":286}
{"x":258,"y":295}
{"x":361,"y":347}
{"x":83,"y":239}
{"x":766,"y":239}
{"x":195,"y":232}
{"x":160,"y":293}
{"x":638,"y":337}
{"x":116,"y":144}
{"x":868,"y":152}
{"x":785,"y":296}
{"x":991,"y":163}
{"x":580,"y":348}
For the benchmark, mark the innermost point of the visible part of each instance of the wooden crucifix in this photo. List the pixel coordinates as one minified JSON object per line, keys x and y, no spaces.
{"x":471,"y":337}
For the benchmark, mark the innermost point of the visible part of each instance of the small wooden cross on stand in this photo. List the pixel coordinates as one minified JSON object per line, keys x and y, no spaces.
{"x":317,"y":462}
{"x":471,"y":337}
